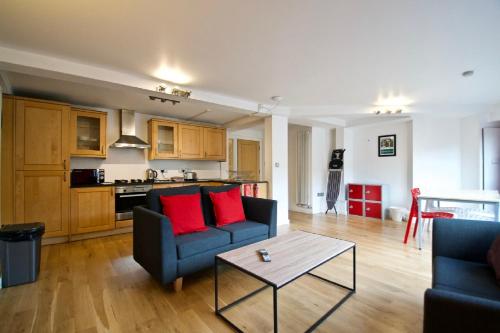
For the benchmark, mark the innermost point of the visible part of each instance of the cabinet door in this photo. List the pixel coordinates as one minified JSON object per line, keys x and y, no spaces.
{"x":42,"y":136}
{"x":43,"y":196}
{"x":163,"y":140}
{"x":373,"y":209}
{"x":88,"y":133}
{"x":373,"y":192}
{"x":355,"y":207}
{"x":191,"y":142}
{"x":92,"y":209}
{"x":355,"y":191}
{"x":215,"y":143}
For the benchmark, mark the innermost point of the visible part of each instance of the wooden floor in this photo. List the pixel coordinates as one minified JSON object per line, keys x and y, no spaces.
{"x":95,"y":286}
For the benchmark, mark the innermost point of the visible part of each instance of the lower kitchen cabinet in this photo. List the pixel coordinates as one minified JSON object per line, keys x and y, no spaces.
{"x":92,"y":209}
{"x":43,"y":196}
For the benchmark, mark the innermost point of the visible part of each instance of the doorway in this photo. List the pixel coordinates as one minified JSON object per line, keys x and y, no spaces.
{"x":248,"y":159}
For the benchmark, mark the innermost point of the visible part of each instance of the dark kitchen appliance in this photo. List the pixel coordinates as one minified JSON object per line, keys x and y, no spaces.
{"x":87,"y":176}
{"x":127,"y":196}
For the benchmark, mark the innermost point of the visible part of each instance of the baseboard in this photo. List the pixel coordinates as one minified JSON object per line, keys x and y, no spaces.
{"x":66,"y":239}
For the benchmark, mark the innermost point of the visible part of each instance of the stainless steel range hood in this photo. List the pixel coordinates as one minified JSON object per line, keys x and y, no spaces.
{"x":127,"y":132}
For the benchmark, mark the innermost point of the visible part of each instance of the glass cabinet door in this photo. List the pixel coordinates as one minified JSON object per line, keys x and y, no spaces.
{"x":163,"y":139}
{"x":88,"y":133}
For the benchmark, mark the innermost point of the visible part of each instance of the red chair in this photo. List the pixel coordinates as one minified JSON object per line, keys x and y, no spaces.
{"x":415,"y":192}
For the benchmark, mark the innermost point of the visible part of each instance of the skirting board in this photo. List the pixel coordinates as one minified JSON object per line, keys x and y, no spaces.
{"x":65,"y":239}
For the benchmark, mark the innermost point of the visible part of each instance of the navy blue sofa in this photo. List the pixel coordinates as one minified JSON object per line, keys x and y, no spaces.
{"x":465,"y":296}
{"x":168,"y":258}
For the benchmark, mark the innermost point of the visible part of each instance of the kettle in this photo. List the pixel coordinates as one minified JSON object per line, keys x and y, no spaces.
{"x":151,"y":174}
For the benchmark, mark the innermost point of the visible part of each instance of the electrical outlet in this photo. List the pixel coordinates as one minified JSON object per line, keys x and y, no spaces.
{"x":320,"y":194}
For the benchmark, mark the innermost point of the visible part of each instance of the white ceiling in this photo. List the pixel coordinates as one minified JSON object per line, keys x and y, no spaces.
{"x":313,"y":53}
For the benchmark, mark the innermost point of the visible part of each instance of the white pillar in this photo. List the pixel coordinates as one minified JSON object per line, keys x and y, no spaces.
{"x":276,"y":163}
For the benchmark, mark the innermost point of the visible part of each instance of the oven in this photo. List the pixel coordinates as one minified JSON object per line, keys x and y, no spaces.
{"x":127,"y":197}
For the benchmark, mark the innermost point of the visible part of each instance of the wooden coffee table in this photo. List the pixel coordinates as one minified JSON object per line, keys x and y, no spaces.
{"x":292,"y":256}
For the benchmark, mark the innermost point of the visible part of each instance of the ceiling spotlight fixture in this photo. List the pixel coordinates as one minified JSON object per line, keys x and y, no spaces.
{"x":398,"y":111}
{"x":388,"y":111}
{"x":468,"y":73}
{"x":163,"y":100}
{"x":378,"y":112}
{"x":277,"y":99}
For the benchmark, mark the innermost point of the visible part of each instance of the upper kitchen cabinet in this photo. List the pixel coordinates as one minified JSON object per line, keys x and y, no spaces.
{"x":88,"y":133}
{"x":191,"y":142}
{"x":42,"y":135}
{"x":214,"y":140}
{"x":163,"y":138}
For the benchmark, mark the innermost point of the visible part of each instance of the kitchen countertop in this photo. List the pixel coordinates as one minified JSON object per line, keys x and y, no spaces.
{"x":225,"y":181}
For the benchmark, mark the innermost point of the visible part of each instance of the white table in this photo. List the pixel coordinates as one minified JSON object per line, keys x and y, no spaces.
{"x":465,"y":196}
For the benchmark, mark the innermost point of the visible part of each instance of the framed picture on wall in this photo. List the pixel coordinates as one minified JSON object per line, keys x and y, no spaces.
{"x":387,"y":145}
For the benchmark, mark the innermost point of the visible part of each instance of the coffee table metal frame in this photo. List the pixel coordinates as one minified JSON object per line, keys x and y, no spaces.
{"x":219,"y":312}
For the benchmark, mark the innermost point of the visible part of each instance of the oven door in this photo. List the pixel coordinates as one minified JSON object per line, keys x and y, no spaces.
{"x":125,"y":202}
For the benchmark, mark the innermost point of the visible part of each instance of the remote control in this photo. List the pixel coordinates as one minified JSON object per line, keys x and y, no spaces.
{"x":264,"y":255}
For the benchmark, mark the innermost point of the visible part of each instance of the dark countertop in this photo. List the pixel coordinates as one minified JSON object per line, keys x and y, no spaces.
{"x":225,"y":181}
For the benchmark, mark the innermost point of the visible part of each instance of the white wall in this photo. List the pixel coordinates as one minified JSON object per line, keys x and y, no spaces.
{"x":471,"y":152}
{"x":437,"y":153}
{"x":127,"y":163}
{"x":276,"y":162}
{"x":368,"y":167}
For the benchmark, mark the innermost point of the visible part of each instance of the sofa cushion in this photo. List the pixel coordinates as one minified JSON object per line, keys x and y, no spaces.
{"x":208,"y":207}
{"x":153,"y":196}
{"x":494,"y":257}
{"x":465,"y":277}
{"x":191,"y":244}
{"x":245,"y":230}
{"x":184,"y":212}
{"x":228,"y":207}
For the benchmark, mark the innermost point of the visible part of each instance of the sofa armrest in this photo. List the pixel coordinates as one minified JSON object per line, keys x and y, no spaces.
{"x":463,"y":239}
{"x":446,"y":311}
{"x":154,"y":244}
{"x":263,"y":211}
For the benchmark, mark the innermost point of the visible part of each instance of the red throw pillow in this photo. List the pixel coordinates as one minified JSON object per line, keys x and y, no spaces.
{"x":228,"y":207}
{"x":184,"y":212}
{"x":494,"y":257}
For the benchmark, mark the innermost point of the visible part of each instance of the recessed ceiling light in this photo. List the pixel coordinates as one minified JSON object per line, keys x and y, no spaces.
{"x":277,"y":98}
{"x":173,"y":75}
{"x":468,"y":73}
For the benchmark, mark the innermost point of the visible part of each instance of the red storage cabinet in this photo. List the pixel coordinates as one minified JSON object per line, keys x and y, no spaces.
{"x":368,"y":200}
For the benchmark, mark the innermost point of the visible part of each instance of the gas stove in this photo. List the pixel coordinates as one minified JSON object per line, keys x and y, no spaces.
{"x":132,"y":181}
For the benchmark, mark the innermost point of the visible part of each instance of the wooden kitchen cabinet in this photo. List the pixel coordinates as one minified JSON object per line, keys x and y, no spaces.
{"x":42,"y":135}
{"x":88,"y":133}
{"x":163,"y":138}
{"x":43,"y":196}
{"x":92,"y":209}
{"x":214,"y":140}
{"x":191,"y":142}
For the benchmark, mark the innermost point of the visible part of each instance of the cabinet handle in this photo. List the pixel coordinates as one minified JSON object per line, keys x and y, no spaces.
{"x":102,"y":149}
{"x":64,"y":178}
{"x":367,"y":192}
{"x":64,"y":164}
{"x":350,"y":191}
{"x":368,"y":209}
{"x":351,"y":207}
{"x":111,"y":192}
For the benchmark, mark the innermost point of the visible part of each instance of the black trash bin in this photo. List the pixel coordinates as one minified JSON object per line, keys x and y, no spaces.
{"x":20,"y":253}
